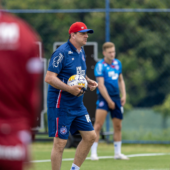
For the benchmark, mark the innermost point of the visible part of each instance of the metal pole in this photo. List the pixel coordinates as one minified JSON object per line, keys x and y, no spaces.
{"x":107,"y":29}
{"x":107,"y":38}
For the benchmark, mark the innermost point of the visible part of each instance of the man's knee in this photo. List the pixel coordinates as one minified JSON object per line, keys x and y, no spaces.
{"x":118,"y":128}
{"x":97,"y":127}
{"x":91,"y":137}
{"x":59,"y":145}
{"x":94,"y":136}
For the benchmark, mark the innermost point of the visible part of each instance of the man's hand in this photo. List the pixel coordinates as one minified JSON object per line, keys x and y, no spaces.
{"x":76,"y":90}
{"x":123,"y":101}
{"x":92,"y":84}
{"x":111,"y":105}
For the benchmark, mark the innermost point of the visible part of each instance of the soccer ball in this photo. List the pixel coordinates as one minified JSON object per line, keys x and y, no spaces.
{"x":77,"y":80}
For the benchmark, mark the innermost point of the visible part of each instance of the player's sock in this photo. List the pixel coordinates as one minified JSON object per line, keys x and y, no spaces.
{"x":74,"y":167}
{"x":94,"y":148}
{"x":117,"y":147}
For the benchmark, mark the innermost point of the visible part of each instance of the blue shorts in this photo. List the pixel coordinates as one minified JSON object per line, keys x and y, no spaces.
{"x":61,"y":121}
{"x":116,"y":113}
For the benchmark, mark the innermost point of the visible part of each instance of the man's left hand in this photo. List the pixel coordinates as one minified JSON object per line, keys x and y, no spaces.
{"x":92,"y":84}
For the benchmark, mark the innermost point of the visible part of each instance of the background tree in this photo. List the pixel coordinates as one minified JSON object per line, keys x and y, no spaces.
{"x":142,"y":40}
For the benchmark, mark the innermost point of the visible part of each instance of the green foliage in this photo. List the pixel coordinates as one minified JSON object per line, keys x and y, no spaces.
{"x":142,"y":47}
{"x":142,"y":40}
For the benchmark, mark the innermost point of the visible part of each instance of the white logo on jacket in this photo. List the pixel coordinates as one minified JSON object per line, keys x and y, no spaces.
{"x":9,"y":35}
{"x":80,"y":71}
{"x":57,"y":60}
{"x":70,"y":52}
{"x":113,"y":75}
{"x":88,"y":118}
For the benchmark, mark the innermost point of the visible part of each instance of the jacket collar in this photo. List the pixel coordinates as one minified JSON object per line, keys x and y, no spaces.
{"x":72,"y":47}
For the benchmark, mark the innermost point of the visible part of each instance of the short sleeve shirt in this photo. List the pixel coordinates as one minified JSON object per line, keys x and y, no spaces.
{"x":110,"y":73}
{"x":66,"y":61}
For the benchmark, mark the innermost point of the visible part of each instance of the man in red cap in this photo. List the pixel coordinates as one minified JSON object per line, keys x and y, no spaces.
{"x":66,"y":111}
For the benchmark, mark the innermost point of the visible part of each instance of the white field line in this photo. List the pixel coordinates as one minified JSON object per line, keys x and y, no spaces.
{"x":152,"y":169}
{"x":108,"y":157}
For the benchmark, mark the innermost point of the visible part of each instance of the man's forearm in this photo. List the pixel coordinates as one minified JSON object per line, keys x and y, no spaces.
{"x":58,"y":84}
{"x":122,"y":88}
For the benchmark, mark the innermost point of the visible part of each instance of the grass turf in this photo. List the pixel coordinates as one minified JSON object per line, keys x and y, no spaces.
{"x":42,"y":151}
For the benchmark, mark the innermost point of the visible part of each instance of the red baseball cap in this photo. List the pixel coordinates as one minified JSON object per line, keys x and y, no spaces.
{"x":79,"y":27}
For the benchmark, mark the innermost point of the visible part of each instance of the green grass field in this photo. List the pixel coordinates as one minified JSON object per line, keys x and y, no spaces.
{"x":42,"y":151}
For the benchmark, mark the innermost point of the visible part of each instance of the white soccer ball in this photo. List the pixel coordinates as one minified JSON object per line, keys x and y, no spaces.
{"x":77,"y":80}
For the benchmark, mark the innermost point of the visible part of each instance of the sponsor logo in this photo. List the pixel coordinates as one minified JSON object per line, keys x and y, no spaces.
{"x":82,"y":27}
{"x":63,"y":130}
{"x":113,"y":75}
{"x":80,"y":71}
{"x":72,"y":58}
{"x":88,"y":118}
{"x":57,"y":60}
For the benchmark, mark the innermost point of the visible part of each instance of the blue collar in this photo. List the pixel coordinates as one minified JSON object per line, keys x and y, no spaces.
{"x":72,"y":47}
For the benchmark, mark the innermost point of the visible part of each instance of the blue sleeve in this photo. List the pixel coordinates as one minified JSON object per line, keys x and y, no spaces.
{"x":98,"y":70}
{"x":56,"y":62}
{"x":120,"y":67}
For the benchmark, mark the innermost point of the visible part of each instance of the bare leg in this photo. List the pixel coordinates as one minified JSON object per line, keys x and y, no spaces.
{"x":117,"y":125}
{"x":99,"y":120}
{"x":57,"y":152}
{"x":88,"y":137}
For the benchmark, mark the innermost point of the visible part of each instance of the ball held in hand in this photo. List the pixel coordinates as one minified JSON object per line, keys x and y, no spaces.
{"x":77,"y":80}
